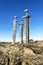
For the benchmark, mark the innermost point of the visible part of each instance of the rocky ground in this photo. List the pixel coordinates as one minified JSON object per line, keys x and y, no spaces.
{"x":17,"y":54}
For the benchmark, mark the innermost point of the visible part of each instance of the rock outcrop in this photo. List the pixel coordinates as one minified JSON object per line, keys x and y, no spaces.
{"x":20,"y":54}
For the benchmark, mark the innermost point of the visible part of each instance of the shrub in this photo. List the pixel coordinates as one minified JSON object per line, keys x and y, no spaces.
{"x":28,"y":63}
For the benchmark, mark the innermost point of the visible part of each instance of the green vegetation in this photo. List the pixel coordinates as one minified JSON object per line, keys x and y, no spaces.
{"x":28,"y":63}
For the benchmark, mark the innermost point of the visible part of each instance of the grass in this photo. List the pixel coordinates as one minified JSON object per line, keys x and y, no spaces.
{"x":28,"y":63}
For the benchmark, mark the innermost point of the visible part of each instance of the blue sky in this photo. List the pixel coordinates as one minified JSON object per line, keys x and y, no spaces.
{"x":10,"y":8}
